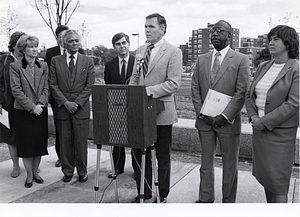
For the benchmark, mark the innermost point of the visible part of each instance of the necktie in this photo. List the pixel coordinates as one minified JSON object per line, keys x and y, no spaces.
{"x":147,"y":58}
{"x":216,"y":67}
{"x":71,"y":63}
{"x":123,"y":73}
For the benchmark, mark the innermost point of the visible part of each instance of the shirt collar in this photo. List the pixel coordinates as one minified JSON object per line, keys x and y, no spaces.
{"x":75,"y":56}
{"x":15,"y":58}
{"x":61,"y":50}
{"x":222,"y":52}
{"x":126,"y":59}
{"x":159,"y":43}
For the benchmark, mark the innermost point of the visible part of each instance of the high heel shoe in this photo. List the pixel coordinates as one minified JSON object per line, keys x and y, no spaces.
{"x":28,"y":184}
{"x":39,"y":181}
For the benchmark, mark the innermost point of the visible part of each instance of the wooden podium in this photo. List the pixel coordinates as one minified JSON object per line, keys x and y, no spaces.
{"x":123,"y":115}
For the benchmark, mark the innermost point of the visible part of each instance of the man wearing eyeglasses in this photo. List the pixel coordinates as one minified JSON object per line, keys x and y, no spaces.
{"x":118,"y":71}
{"x":227,"y":72}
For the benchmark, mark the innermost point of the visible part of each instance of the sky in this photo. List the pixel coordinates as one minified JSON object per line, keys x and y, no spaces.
{"x":104,"y":18}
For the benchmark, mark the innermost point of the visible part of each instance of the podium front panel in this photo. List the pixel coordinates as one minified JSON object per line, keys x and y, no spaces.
{"x":117,"y":116}
{"x":123,"y":116}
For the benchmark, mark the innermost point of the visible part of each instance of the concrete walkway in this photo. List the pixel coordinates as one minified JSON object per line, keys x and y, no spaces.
{"x":184,"y":191}
{"x":184,"y":184}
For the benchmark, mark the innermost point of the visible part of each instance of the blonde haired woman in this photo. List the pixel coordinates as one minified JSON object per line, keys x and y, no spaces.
{"x":29,"y":84}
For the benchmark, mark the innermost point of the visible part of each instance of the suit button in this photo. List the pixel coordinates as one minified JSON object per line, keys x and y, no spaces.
{"x":267,"y":102}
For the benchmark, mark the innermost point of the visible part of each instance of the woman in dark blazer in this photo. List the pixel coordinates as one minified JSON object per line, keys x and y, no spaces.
{"x":29,"y":84}
{"x":272,"y":104}
{"x":7,"y":100}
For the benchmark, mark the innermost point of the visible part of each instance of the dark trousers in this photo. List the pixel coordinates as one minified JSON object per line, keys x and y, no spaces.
{"x":163,"y":155}
{"x":73,"y":134}
{"x":119,"y":157}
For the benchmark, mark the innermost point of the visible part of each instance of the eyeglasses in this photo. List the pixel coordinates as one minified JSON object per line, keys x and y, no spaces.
{"x":218,"y":30}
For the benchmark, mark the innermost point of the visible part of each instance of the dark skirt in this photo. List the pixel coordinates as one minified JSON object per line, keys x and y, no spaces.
{"x":9,"y":135}
{"x":31,"y":133}
{"x":273,"y":157}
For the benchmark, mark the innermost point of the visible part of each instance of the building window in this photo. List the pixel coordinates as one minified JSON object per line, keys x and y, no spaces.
{"x":200,"y":41}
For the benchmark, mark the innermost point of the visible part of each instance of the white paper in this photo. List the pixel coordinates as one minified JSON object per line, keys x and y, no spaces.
{"x":214,"y":103}
{"x":4,"y":118}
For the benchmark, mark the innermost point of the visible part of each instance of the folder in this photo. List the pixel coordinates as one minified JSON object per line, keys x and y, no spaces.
{"x":4,"y":118}
{"x":214,"y":103}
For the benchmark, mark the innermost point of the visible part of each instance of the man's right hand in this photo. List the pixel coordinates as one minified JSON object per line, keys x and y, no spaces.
{"x":208,"y":120}
{"x":71,"y":106}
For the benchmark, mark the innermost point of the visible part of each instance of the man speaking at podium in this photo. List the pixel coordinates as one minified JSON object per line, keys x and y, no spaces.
{"x":158,"y":66}
{"x":118,"y":71}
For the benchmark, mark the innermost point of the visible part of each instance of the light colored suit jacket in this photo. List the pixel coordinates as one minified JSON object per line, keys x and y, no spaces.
{"x":282,"y":103}
{"x":162,"y":80}
{"x":232,"y":79}
{"x":62,"y":89}
{"x":29,"y":90}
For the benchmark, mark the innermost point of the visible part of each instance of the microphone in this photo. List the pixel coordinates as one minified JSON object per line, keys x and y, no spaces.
{"x":139,"y":64}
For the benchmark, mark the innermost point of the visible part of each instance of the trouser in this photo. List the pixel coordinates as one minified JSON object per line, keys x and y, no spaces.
{"x":163,"y":155}
{"x":229,"y":147}
{"x":73,"y":134}
{"x":119,"y":157}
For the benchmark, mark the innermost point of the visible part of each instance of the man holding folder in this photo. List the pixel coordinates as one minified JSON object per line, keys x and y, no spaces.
{"x":225,"y":71}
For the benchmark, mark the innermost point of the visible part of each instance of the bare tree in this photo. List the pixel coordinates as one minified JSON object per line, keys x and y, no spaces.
{"x":58,"y":12}
{"x":8,"y":23}
{"x":84,"y":33}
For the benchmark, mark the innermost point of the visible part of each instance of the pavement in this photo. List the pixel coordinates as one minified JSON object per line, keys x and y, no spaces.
{"x":184,"y":187}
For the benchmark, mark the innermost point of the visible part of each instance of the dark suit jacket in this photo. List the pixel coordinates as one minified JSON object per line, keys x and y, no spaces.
{"x":6,"y":97}
{"x":29,"y":91}
{"x":112,"y":71}
{"x":282,"y":103}
{"x":232,"y":79}
{"x":62,"y":90}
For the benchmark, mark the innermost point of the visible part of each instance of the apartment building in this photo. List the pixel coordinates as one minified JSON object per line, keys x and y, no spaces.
{"x":199,"y":43}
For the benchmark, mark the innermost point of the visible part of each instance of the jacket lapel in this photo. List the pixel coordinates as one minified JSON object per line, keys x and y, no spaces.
{"x":283,"y":71}
{"x":207,"y":66}
{"x":263,"y":71}
{"x":115,"y":69}
{"x":228,"y":58}
{"x":38,"y":76}
{"x":27,"y":74}
{"x":157,"y":57}
{"x":64,"y":69}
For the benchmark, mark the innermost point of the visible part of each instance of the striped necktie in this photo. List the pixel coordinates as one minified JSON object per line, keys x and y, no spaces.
{"x":216,"y":67}
{"x":147,"y":58}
